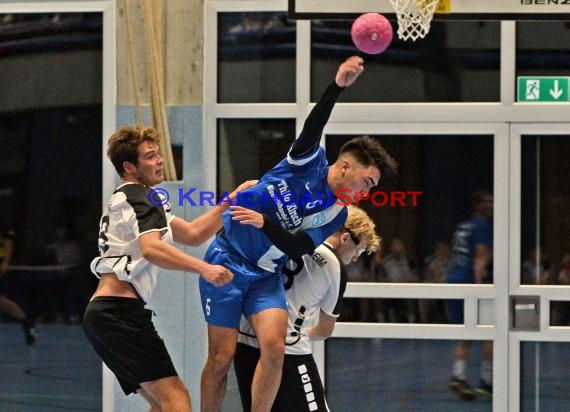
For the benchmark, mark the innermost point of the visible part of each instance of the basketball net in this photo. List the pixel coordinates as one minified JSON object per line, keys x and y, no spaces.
{"x":414,"y":17}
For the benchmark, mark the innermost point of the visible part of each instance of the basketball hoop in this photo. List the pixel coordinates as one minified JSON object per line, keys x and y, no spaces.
{"x":414,"y":17}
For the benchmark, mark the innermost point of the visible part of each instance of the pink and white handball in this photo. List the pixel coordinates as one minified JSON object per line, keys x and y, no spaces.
{"x":371,"y":33}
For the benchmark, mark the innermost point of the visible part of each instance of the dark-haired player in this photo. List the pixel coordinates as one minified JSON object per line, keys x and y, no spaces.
{"x":300,"y":185}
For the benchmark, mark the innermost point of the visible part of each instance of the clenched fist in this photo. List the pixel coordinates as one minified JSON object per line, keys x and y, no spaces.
{"x":349,"y":71}
{"x":217,"y":275}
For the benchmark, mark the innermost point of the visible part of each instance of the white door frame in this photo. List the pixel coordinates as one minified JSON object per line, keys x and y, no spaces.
{"x":480,"y":300}
{"x":548,"y":293}
{"x":507,"y":243}
{"x":108,"y":9}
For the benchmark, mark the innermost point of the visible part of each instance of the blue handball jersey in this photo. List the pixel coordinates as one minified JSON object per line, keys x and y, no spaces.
{"x":295,"y":193}
{"x":474,"y":231}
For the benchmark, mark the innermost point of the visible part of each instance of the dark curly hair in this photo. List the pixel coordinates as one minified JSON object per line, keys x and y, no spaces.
{"x":369,"y":152}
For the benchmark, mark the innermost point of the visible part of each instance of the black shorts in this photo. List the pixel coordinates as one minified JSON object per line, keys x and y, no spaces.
{"x":122,"y":333}
{"x":301,"y":388}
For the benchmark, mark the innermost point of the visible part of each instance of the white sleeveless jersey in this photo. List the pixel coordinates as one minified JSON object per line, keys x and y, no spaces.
{"x":313,"y":283}
{"x":128,"y":215}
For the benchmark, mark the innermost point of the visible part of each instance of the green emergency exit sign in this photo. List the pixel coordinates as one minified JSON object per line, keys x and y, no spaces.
{"x":543,"y":89}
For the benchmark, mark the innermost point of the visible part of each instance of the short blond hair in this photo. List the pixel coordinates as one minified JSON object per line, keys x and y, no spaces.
{"x":361,"y":225}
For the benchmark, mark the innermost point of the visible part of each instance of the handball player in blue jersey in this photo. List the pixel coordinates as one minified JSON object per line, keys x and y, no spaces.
{"x":470,"y":258}
{"x":297,"y":201}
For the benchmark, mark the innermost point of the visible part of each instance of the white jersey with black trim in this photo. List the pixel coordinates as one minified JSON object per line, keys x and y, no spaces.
{"x":128,"y":215}
{"x":313,"y":283}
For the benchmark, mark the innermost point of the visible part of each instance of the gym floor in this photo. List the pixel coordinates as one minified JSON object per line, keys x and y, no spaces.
{"x":62,"y":373}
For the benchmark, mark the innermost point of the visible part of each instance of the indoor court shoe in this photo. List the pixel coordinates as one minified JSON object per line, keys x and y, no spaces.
{"x":485,"y":390}
{"x":462,"y":388}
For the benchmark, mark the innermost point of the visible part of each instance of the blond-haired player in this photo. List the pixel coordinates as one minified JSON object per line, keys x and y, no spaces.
{"x":314,"y":286}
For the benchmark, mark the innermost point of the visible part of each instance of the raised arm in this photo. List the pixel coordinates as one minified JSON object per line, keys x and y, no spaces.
{"x":202,"y":228}
{"x":313,"y":127}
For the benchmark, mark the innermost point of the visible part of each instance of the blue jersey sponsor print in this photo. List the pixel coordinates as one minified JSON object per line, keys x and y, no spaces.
{"x":294,"y":193}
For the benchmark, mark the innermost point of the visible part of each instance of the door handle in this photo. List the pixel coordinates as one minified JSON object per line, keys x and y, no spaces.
{"x":524,"y":313}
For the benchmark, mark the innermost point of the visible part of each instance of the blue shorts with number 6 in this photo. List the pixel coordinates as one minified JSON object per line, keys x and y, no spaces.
{"x":251,"y":290}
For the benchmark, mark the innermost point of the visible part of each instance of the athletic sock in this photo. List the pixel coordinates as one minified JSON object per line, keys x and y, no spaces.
{"x":460,"y":369}
{"x":487,"y":372}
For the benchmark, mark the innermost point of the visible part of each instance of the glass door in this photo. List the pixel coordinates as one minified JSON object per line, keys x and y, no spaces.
{"x":394,"y":344}
{"x":393,"y":347}
{"x":539,"y":342}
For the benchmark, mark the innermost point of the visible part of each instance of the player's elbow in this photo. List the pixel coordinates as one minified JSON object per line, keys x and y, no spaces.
{"x":327,"y":333}
{"x":194,"y":239}
{"x":148,"y":253}
{"x":150,"y":249}
{"x":322,"y":331}
{"x":190,"y":236}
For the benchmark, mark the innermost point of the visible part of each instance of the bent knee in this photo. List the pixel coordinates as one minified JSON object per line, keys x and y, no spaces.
{"x":273,"y":350}
{"x":181,"y":393}
{"x":176,"y":395}
{"x":221,"y":361}
{"x":167,"y":390}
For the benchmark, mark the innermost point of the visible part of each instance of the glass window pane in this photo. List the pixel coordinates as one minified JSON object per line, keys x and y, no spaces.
{"x":417,"y":230}
{"x":545,"y":255}
{"x":256,"y":58}
{"x":433,"y":311}
{"x":458,"y":61}
{"x":542,"y":48}
{"x":396,"y":375}
{"x":559,"y":313}
{"x":544,"y":372}
{"x":249,"y":148}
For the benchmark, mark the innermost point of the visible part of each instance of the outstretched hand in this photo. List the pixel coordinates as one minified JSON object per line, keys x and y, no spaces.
{"x":349,"y":71}
{"x":247,"y":216}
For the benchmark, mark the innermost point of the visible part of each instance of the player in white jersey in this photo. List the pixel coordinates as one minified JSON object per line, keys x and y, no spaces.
{"x":135,"y":240}
{"x":314,"y":285}
{"x":299,"y":200}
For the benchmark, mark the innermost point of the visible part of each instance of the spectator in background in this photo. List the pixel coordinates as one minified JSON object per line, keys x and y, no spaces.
{"x":437,"y":266}
{"x":399,"y":269}
{"x":536,"y":269}
{"x":357,"y":309}
{"x":564,"y":272}
{"x":8,"y":305}
{"x":66,"y":253}
{"x":560,"y":309}
{"x":377,"y":273}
